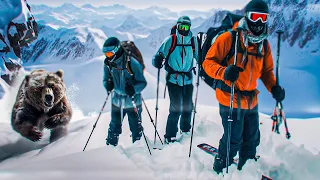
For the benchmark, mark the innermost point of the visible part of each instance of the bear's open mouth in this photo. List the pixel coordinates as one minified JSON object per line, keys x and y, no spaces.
{"x":48,"y":104}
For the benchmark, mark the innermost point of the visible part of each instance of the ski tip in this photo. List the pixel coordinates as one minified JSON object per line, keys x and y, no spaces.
{"x":202,"y":144}
{"x":265,"y":178}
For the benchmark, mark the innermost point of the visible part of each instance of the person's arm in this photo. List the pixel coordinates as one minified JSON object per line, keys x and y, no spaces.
{"x":162,"y":52}
{"x":106,"y":76}
{"x":267,"y":76}
{"x":140,"y":81}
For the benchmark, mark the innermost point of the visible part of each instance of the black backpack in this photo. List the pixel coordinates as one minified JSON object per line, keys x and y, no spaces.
{"x":207,"y":39}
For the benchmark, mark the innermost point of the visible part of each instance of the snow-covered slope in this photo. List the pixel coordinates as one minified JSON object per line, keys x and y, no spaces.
{"x":64,"y":159}
{"x":132,"y":25}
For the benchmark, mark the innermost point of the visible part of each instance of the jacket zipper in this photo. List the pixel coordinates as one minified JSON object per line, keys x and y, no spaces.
{"x":182,"y":60}
{"x":182,"y":51}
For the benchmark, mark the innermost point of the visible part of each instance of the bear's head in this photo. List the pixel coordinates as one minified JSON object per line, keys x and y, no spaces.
{"x":44,"y":89}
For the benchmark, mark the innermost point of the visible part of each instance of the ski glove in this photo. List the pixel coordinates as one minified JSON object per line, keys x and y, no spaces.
{"x":232,"y":73}
{"x":278,"y":93}
{"x":110,"y":85}
{"x":130,"y":91}
{"x":158,"y":61}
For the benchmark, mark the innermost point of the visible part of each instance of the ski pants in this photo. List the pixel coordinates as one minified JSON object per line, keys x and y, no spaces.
{"x":115,"y":126}
{"x":245,"y":134}
{"x":180,"y":106}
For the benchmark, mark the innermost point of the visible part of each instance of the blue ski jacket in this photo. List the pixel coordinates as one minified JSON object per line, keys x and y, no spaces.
{"x":181,"y":59}
{"x":120,"y":76}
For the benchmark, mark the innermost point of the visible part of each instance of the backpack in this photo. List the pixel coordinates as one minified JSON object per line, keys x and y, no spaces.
{"x":207,"y":39}
{"x":132,"y":50}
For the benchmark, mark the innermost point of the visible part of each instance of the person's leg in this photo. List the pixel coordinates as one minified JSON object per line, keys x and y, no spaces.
{"x":185,"y":122}
{"x":251,"y":137}
{"x":135,"y":123}
{"x":114,"y":126}
{"x":235,"y":138}
{"x":175,"y":94}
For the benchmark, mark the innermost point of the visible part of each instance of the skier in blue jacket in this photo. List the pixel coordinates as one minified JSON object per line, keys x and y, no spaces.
{"x":124,"y":85}
{"x":180,"y":67}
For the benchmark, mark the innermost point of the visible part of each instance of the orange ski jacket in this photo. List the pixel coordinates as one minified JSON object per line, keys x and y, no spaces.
{"x":255,"y":68}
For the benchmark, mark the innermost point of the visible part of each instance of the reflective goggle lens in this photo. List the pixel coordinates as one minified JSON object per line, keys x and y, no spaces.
{"x":108,"y":48}
{"x":255,"y":16}
{"x":109,"y":54}
{"x":183,"y":27}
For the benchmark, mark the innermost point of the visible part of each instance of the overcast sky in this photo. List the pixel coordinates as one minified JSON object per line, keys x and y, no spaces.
{"x":175,"y":5}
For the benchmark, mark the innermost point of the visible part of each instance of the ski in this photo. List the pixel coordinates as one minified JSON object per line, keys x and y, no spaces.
{"x":214,"y":151}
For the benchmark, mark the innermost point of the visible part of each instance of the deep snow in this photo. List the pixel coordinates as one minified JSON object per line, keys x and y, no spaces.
{"x":64,"y":159}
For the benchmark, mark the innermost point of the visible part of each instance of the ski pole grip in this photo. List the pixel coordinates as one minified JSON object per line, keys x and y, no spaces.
{"x":279,"y":32}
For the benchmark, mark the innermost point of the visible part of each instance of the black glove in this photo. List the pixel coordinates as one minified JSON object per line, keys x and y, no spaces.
{"x":110,"y":85}
{"x":130,"y":90}
{"x":278,"y":93}
{"x":158,"y":61}
{"x":232,"y":73}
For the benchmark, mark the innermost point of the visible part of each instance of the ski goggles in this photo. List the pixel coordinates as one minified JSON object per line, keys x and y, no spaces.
{"x":255,"y":16}
{"x":183,"y":27}
{"x":110,"y":51}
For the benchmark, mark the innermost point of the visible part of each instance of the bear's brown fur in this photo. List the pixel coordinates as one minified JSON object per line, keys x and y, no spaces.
{"x":41,"y":103}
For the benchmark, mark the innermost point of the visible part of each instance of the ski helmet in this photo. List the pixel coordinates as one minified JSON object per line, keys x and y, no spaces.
{"x":183,"y":25}
{"x":111,"y":48}
{"x":256,"y":15}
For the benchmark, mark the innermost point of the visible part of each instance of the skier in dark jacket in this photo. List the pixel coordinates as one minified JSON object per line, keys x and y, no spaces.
{"x":255,"y":62}
{"x":124,"y":87}
{"x":179,"y":67}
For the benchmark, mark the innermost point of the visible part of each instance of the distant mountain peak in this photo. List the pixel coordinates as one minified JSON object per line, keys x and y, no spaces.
{"x":88,"y":6}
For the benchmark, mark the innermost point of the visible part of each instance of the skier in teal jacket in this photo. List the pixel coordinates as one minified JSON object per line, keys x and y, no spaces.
{"x":180,"y":71}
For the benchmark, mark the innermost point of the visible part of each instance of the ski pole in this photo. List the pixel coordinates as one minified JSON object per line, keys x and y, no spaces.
{"x":139,"y":119}
{"x":95,"y":124}
{"x":157,"y":107}
{"x":194,"y":110}
{"x":198,"y":83}
{"x":145,"y":105}
{"x":232,"y":97}
{"x":278,"y":114}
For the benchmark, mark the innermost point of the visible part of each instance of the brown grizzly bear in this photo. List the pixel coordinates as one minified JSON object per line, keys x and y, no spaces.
{"x":41,"y":103}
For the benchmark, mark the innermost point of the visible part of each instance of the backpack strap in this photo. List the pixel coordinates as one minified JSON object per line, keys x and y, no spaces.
{"x":265,"y":46}
{"x":128,"y":64}
{"x":192,"y":45}
{"x":231,"y":51}
{"x":173,"y":45}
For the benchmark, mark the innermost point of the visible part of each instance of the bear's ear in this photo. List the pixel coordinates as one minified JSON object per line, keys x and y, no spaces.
{"x":59,"y":73}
